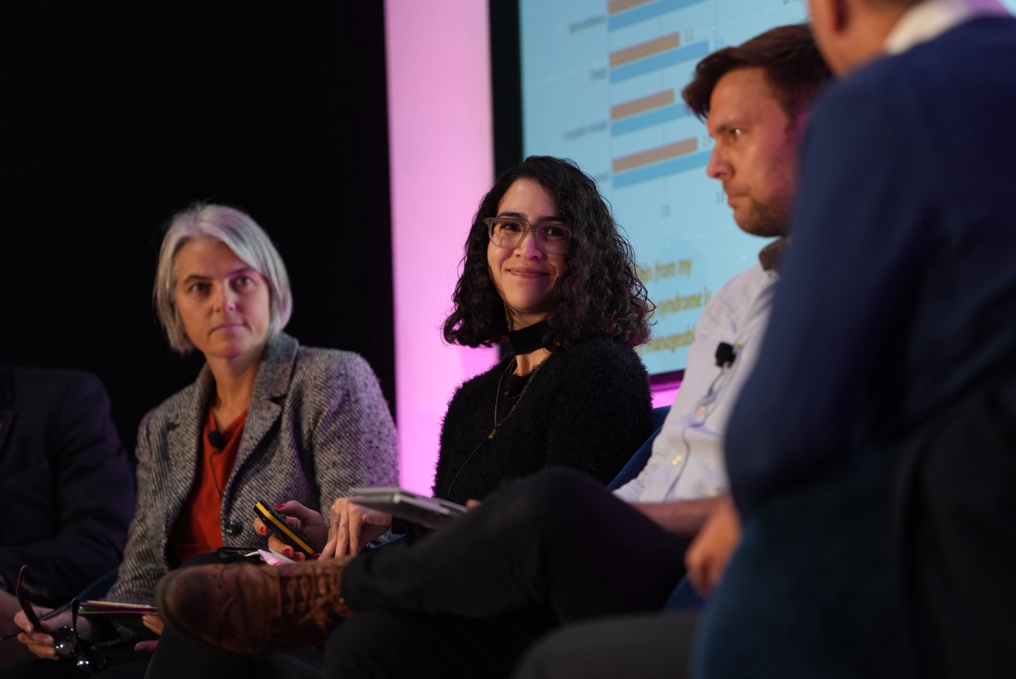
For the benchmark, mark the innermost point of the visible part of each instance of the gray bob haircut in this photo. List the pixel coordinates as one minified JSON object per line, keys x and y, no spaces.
{"x":245,"y":238}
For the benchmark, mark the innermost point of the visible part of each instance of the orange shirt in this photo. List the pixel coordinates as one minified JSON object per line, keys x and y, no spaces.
{"x":198,"y":528}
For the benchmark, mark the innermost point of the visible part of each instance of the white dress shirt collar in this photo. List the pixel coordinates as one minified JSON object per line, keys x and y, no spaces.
{"x":930,"y":19}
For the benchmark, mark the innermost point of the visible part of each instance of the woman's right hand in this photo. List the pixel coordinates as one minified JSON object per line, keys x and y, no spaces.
{"x":306,"y":520}
{"x":353,"y":527}
{"x":41,"y":643}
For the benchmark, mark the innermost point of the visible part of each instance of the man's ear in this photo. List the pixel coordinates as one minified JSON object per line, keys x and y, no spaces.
{"x":834,"y":14}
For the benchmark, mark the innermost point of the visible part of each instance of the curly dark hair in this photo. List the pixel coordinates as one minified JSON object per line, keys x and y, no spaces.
{"x":600,"y":294}
{"x":789,"y":57}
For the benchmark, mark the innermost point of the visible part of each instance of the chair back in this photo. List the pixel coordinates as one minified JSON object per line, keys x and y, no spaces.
{"x":637,"y":461}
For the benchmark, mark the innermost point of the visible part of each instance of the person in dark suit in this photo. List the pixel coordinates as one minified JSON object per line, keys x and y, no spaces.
{"x":872,"y":454}
{"x":266,"y":419}
{"x":66,"y":488}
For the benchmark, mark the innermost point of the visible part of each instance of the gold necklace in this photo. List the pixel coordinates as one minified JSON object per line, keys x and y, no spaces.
{"x":497,"y":396}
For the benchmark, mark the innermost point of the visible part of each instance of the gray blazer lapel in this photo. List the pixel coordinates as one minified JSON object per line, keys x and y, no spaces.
{"x":270,"y":388}
{"x":183,"y":446}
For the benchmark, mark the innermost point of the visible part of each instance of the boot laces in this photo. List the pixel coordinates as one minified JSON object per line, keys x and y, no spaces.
{"x":309,"y":594}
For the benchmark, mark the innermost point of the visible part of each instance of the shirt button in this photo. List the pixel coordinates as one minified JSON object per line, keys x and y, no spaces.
{"x":677,"y":460}
{"x":702,"y":411}
{"x":233,"y":528}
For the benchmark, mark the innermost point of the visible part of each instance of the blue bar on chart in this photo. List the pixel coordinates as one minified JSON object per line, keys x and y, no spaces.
{"x":671,"y":57}
{"x":675,"y":166}
{"x":649,"y":119}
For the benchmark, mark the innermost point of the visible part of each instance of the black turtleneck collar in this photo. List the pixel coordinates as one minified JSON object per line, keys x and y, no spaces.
{"x":528,"y":339}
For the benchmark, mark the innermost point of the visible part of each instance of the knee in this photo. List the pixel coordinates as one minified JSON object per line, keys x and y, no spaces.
{"x":536,"y":662}
{"x":559,"y":655}
{"x":554,"y":495}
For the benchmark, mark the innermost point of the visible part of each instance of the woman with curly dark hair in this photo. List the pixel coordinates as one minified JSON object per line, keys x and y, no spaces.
{"x":600,"y":294}
{"x":547,"y":270}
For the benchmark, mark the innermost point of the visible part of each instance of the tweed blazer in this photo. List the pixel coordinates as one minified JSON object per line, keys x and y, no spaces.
{"x":317,"y":425}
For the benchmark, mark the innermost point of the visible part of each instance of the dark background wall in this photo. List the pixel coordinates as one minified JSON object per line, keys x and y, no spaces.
{"x":114,"y":114}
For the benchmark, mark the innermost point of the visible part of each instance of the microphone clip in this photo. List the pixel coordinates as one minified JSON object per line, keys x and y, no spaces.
{"x":725,"y":354}
{"x":217,"y":440}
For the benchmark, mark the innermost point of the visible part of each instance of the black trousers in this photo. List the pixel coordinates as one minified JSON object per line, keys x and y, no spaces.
{"x":656,"y":646}
{"x":955,"y":536}
{"x":123,"y":663}
{"x":469,"y":598}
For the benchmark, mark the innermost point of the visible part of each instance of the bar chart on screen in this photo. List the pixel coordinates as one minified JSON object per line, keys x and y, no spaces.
{"x":601,"y":84}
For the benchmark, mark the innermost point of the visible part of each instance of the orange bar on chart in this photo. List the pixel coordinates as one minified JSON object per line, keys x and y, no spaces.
{"x":642,"y":104}
{"x":615,"y":6}
{"x":648,"y":157}
{"x":645,"y":49}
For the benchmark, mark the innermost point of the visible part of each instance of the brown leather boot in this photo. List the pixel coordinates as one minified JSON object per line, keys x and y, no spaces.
{"x":248,"y":608}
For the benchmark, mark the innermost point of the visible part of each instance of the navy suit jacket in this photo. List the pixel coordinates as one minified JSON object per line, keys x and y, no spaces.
{"x":898,"y":302}
{"x":66,"y":485}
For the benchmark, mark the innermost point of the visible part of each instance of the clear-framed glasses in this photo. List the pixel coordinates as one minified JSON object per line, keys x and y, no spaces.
{"x":553,"y":238}
{"x":66,"y":642}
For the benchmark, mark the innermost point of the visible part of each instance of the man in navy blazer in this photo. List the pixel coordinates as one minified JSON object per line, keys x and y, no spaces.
{"x":872,"y":453}
{"x":66,"y":486}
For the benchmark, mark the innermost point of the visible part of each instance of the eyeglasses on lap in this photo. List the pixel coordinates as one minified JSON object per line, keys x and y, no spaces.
{"x":553,"y":238}
{"x":66,"y":642}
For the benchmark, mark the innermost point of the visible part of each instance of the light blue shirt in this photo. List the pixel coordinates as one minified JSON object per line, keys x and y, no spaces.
{"x":687,"y":459}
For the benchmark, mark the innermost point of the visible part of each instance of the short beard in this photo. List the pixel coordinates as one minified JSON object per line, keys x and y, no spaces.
{"x":766,"y":220}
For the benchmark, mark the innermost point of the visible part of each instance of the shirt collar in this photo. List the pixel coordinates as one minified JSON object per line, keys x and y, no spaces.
{"x":930,"y":19}
{"x":771,"y":256}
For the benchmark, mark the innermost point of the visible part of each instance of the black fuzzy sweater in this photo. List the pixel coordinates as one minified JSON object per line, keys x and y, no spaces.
{"x":588,"y":408}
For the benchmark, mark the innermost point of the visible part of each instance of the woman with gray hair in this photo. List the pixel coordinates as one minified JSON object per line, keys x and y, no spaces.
{"x":265,"y":420}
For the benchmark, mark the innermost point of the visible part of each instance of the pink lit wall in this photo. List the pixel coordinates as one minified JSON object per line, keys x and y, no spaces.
{"x":664,"y":395}
{"x":441,"y":156}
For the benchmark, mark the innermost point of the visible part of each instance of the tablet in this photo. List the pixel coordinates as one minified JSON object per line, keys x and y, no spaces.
{"x":429,"y":512}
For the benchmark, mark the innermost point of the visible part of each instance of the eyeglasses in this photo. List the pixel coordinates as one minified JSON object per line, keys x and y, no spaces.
{"x":66,"y":642}
{"x":507,"y":232}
